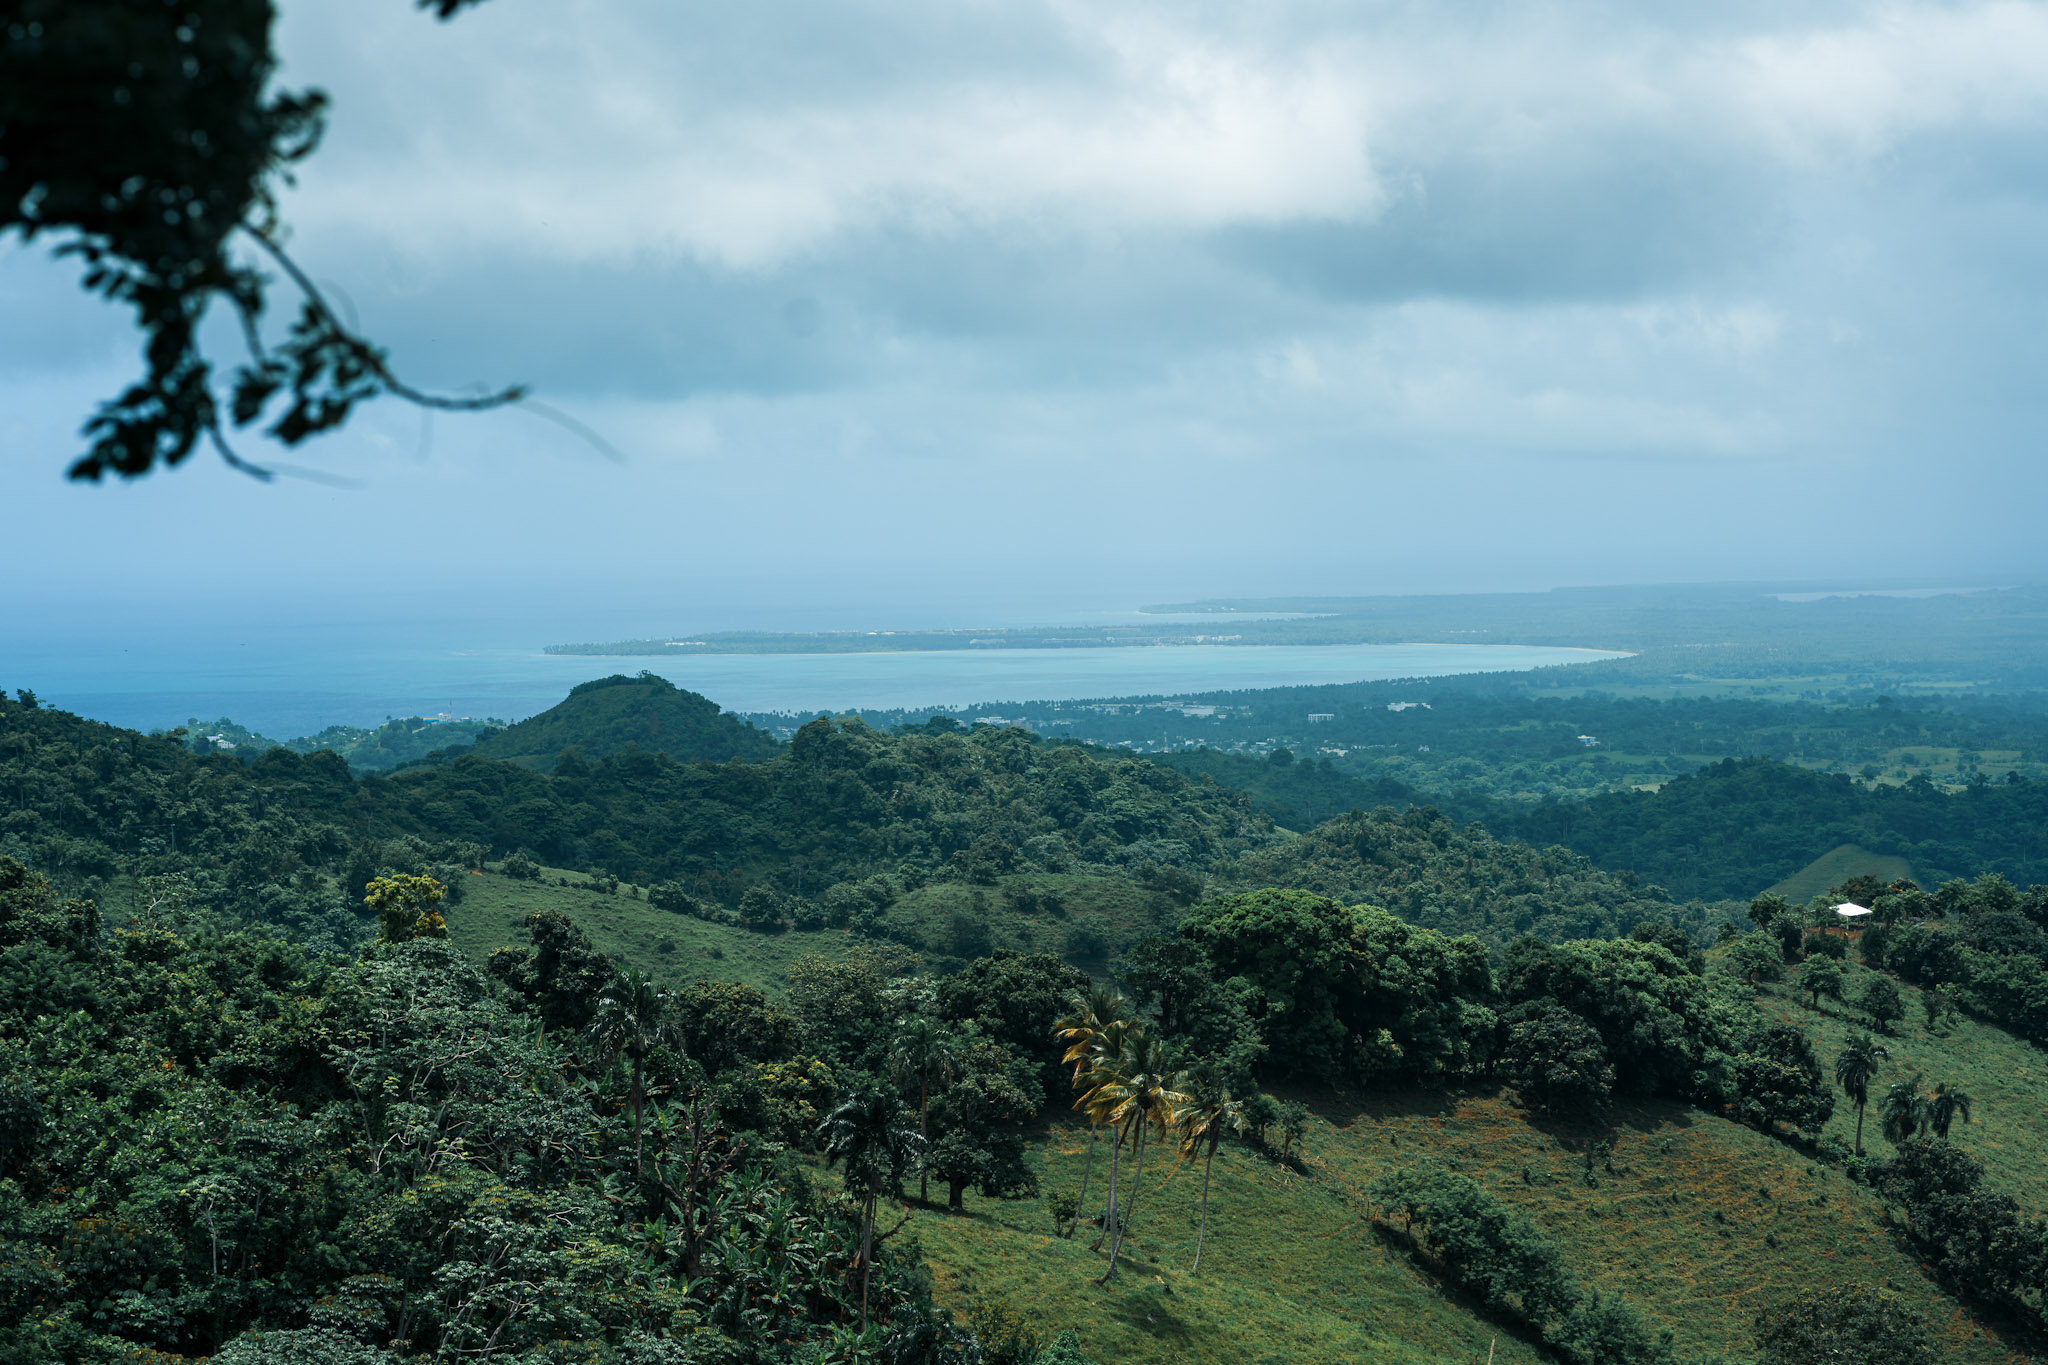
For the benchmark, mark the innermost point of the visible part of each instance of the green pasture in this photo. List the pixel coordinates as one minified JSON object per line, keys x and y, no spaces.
{"x":1697,"y":1221}
{"x":2005,"y":1076}
{"x":671,"y":948}
{"x":1836,"y":866}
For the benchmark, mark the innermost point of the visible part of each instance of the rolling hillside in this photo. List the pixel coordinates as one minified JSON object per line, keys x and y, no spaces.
{"x":1696,"y":1221}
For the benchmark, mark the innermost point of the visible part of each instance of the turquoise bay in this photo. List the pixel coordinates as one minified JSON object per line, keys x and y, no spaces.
{"x":288,"y":690}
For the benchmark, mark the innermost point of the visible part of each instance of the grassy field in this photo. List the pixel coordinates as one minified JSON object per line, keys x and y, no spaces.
{"x":1291,"y":1272}
{"x":1084,"y":919}
{"x":1836,"y":866}
{"x":1094,"y":917}
{"x":671,"y":948}
{"x":2004,"y":1075}
{"x":1697,"y":1221}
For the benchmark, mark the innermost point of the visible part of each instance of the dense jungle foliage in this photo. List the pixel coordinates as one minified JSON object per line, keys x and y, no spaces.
{"x":214,"y":1143}
{"x":1732,"y":829}
{"x":291,"y":839}
{"x":236,"y":1124}
{"x":1723,"y":832}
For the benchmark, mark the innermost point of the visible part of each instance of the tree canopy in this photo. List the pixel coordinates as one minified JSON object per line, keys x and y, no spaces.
{"x":146,"y":140}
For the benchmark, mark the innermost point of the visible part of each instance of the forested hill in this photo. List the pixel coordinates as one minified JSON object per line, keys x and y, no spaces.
{"x":89,"y":802}
{"x":608,"y":715}
{"x":1725,"y":832}
{"x":290,"y":839}
{"x":1430,"y":871}
{"x":1736,"y":827}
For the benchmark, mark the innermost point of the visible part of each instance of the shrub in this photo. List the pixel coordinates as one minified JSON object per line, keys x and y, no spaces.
{"x":1847,"y":1324}
{"x":762,"y":909}
{"x":1978,"y":1236}
{"x":521,"y":867}
{"x":1601,"y":1329}
{"x":967,"y":935}
{"x":1479,"y":1243}
{"x":1006,"y":1336}
{"x":1049,"y":851}
{"x":1780,"y":1080}
{"x":1063,"y":1349}
{"x":671,"y":897}
{"x":1084,"y":941}
{"x":1293,"y":1125}
{"x":1261,"y":1112}
{"x":1820,"y":944}
{"x":1756,"y":957}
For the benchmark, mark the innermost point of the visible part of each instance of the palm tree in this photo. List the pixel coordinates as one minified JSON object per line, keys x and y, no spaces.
{"x":1083,"y":1028}
{"x":1855,"y":1069}
{"x":633,"y":1017}
{"x":865,"y":1130}
{"x":1107,"y":1067}
{"x":1948,"y":1102}
{"x":1903,"y":1111}
{"x":1209,"y":1113}
{"x":925,"y":1053}
{"x":1141,"y":1098}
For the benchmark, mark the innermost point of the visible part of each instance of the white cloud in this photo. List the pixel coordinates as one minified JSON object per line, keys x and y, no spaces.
{"x":1855,"y":89}
{"x":599,"y":151}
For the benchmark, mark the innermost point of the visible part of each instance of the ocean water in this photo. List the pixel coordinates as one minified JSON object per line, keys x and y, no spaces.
{"x":284,"y":679}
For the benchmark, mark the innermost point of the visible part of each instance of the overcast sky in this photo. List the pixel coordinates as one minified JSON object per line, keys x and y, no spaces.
{"x":956,"y":301}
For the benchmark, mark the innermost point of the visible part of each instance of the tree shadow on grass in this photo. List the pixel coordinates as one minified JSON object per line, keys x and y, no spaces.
{"x":2012,"y":1325}
{"x":1579,"y":1129}
{"x":1343,"y":1108}
{"x":1508,"y":1323}
{"x":1145,"y":1306}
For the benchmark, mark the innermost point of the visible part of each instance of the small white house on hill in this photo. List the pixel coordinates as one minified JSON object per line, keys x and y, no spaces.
{"x":1850,"y":913}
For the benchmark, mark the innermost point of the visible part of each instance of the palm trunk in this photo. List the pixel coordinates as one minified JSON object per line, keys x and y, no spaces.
{"x":867,"y":1248}
{"x":1109,"y":1215}
{"x":1116,"y":1243}
{"x":1208,"y":1167}
{"x":635,"y":1098}
{"x":1094,"y":1135}
{"x":1859,"y":1130}
{"x":924,"y":1175}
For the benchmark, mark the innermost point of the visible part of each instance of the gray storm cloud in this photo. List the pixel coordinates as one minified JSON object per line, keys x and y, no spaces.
{"x":1607,"y":287}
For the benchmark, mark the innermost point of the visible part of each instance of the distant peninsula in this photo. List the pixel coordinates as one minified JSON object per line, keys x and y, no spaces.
{"x":914,"y":641}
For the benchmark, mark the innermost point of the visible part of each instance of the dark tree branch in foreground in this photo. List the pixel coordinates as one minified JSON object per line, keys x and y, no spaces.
{"x":141,"y":134}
